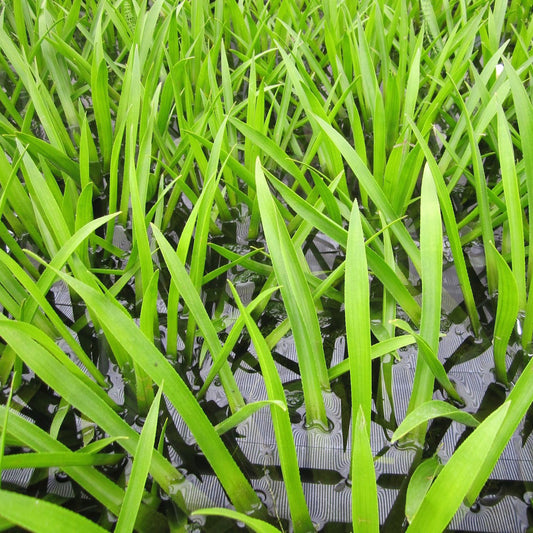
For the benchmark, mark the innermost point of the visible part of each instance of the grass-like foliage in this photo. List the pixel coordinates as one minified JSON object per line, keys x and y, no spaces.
{"x":159,"y":158}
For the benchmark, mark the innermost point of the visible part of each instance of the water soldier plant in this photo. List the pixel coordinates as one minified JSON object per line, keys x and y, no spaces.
{"x":230,"y":216}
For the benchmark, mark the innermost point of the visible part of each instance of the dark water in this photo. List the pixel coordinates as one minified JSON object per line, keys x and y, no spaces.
{"x":503,"y":506}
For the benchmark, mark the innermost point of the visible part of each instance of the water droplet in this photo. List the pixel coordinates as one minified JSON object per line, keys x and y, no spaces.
{"x":174,"y":488}
{"x":266,"y":453}
{"x":340,"y":487}
{"x":475,"y":508}
{"x":262,"y":496}
{"x":317,"y":425}
{"x":255,"y":509}
{"x":163,"y":496}
{"x":139,"y":420}
{"x":477,"y":339}
{"x":491,"y":499}
{"x":60,"y":476}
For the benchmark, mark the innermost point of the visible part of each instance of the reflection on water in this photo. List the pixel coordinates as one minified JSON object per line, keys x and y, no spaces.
{"x":324,"y":456}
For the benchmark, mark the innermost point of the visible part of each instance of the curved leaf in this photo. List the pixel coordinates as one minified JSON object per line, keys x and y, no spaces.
{"x":452,"y":484}
{"x":245,"y":412}
{"x":419,"y":484}
{"x":429,"y":410}
{"x":253,"y":523}
{"x":41,"y":516}
{"x":506,"y":312}
{"x":301,"y":310}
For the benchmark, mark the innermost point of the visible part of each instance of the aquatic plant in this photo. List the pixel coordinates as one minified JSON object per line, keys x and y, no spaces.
{"x":197,"y":192}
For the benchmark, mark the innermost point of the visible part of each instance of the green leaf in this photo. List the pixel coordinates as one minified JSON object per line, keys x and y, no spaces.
{"x":428,"y":411}
{"x":253,"y":523}
{"x":450,"y":222}
{"x":365,"y":516}
{"x":4,"y":425}
{"x":452,"y":484}
{"x":512,"y":202}
{"x":281,"y":422}
{"x":376,"y":350}
{"x":245,"y":412}
{"x":272,"y":150}
{"x":357,"y":302}
{"x":58,"y":158}
{"x":231,"y":340}
{"x":431,"y":252}
{"x":524,"y":117}
{"x":506,"y":312}
{"x":139,"y":469}
{"x":201,"y":233}
{"x":431,"y":360}
{"x":41,"y":516}
{"x":100,"y":93}
{"x":419,"y":484}
{"x":480,"y":183}
{"x":520,"y":401}
{"x":47,"y":460}
{"x":301,"y":310}
{"x":365,"y":513}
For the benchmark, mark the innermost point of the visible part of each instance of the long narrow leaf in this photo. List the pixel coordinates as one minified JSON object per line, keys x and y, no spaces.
{"x":506,"y":312}
{"x":144,"y":353}
{"x":253,"y":523}
{"x":452,"y":484}
{"x":450,"y":222}
{"x":357,"y":296}
{"x":139,"y":470}
{"x":41,"y":516}
{"x":514,"y":211}
{"x":431,"y":251}
{"x":282,"y":425}
{"x":365,"y":512}
{"x":93,"y":481}
{"x":301,"y":310}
